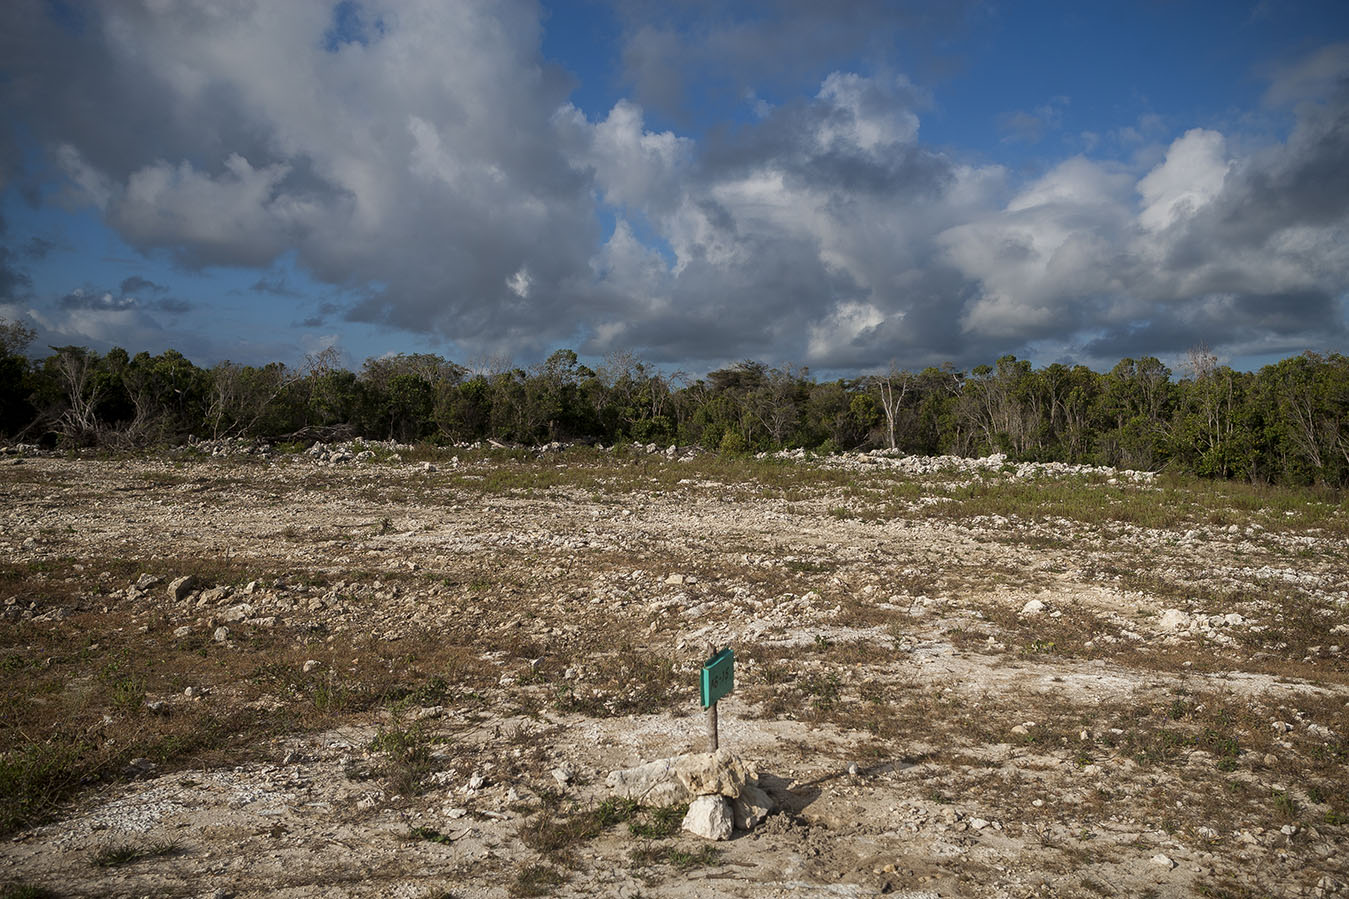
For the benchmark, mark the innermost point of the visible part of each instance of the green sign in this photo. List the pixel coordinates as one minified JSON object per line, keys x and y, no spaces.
{"x":718,"y":677}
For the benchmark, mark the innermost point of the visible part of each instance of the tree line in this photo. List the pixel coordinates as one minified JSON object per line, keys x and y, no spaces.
{"x":1285,"y":423}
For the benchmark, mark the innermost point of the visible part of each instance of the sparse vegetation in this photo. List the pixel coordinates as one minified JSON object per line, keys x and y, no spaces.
{"x":118,"y":854}
{"x":435,"y":640}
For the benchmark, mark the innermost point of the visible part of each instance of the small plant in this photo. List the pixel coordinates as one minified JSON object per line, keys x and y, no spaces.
{"x":118,"y":854}
{"x":680,"y":859}
{"x":34,"y":778}
{"x":660,"y":822}
{"x":1039,"y":647}
{"x":537,"y":880}
{"x":1285,"y":804}
{"x":128,"y":693}
{"x":407,"y":758}
{"x":430,"y":835}
{"x":615,"y":810}
{"x":553,"y":833}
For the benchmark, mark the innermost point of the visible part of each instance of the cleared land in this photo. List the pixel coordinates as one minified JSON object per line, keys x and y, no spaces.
{"x":395,"y":678}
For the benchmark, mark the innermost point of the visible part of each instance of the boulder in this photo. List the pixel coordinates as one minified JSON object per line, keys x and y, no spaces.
{"x":751,"y":807}
{"x":680,"y":779}
{"x":708,"y":773}
{"x":180,"y":587}
{"x":710,"y":817}
{"x":651,"y":784}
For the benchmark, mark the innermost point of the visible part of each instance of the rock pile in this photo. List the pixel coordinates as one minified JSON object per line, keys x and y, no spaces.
{"x":924,"y":465}
{"x":229,"y":446}
{"x":722,"y":791}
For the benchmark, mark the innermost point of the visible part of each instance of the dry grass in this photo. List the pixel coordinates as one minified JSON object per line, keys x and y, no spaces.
{"x":510,"y":652}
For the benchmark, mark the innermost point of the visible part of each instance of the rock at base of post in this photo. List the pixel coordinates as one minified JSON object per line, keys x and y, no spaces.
{"x":710,"y":817}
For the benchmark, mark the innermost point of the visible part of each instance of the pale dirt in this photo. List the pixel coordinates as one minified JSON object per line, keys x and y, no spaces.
{"x":574,"y":568}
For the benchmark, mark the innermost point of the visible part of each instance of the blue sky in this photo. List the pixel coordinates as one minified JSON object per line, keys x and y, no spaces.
{"x":839,"y":185}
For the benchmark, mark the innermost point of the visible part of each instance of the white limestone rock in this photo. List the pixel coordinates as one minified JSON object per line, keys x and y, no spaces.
{"x":751,"y":807}
{"x":710,"y":817}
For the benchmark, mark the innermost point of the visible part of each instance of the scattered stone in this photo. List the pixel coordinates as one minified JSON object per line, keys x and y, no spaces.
{"x":221,"y":634}
{"x":146,"y":581}
{"x":675,"y":580}
{"x":157,"y":707}
{"x":311,"y":665}
{"x":1162,"y":860}
{"x":853,"y":770}
{"x":215,"y":594}
{"x":139,"y":767}
{"x":710,"y":817}
{"x":564,"y":775}
{"x":180,"y":632}
{"x":1034,"y":607}
{"x":1173,"y":621}
{"x":180,"y":587}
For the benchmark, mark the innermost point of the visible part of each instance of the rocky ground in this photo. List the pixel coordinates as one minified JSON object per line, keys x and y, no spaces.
{"x":383,"y":671}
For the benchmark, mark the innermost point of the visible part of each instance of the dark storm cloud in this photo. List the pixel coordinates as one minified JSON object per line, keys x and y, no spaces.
{"x":274,"y":285}
{"x":808,"y":236}
{"x":1278,"y":324}
{"x":230,"y":134}
{"x":420,"y":161}
{"x":131,"y":296}
{"x":14,"y":281}
{"x":701,"y":52}
{"x":80,"y":298}
{"x":138,"y":285}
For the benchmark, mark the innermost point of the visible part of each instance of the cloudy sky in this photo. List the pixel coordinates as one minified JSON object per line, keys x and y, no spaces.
{"x":840,"y":185}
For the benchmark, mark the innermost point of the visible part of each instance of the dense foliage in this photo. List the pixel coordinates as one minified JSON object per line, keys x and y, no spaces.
{"x":1285,"y":423}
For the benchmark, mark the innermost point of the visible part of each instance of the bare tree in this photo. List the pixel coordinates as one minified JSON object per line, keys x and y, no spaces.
{"x":241,"y":395}
{"x":892,"y":401}
{"x":74,"y":367}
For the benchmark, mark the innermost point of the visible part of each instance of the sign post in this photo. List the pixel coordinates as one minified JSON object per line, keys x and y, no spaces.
{"x":717,"y":679}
